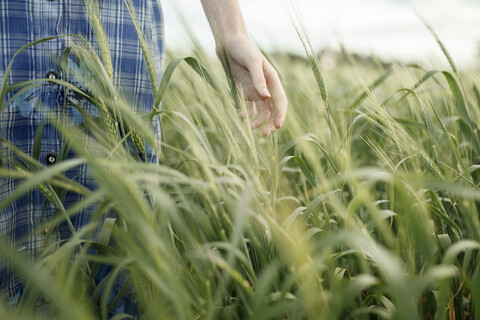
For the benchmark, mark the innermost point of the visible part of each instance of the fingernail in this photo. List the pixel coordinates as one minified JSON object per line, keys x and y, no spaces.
{"x":266,"y":93}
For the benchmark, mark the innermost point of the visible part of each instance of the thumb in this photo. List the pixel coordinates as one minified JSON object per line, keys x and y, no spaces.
{"x":258,"y":79}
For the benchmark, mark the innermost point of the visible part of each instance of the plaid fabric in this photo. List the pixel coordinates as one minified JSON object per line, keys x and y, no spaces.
{"x":24,"y":21}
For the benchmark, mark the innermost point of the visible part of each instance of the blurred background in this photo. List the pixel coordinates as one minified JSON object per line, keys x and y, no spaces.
{"x":388,"y":29}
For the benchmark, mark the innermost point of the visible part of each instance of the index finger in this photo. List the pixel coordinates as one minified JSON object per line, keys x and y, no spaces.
{"x":279,"y":97}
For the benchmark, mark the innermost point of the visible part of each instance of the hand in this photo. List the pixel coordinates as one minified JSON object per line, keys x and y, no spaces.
{"x":260,"y":83}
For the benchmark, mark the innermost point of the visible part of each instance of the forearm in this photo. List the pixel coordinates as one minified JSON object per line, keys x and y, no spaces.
{"x":225,"y":19}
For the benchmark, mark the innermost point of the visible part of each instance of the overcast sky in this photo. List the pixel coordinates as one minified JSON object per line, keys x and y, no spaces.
{"x":388,"y":28}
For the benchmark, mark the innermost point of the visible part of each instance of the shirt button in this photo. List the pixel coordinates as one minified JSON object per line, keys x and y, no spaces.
{"x":52,"y":75}
{"x":51,"y":158}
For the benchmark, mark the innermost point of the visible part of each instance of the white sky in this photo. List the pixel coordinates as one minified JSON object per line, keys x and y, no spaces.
{"x":388,"y":28}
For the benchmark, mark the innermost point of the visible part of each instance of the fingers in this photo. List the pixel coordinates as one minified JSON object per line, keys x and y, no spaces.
{"x":263,"y":113}
{"x":255,"y":68}
{"x":250,"y":109}
{"x":266,"y":110}
{"x":270,"y":126}
{"x":280,"y":102}
{"x":262,"y":89}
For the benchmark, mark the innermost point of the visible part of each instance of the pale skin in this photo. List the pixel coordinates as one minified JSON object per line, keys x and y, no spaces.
{"x":259,"y":81}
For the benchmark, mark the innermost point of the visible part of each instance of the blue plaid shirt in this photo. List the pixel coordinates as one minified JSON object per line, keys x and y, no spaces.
{"x":24,"y":21}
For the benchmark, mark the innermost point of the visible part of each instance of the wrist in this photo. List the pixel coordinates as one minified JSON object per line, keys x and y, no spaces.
{"x":232,"y":41}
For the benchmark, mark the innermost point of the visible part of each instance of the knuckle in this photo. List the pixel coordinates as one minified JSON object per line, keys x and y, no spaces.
{"x":271,"y":71}
{"x":254,"y":63}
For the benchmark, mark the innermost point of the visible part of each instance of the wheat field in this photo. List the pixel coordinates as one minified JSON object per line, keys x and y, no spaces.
{"x":363,"y":206}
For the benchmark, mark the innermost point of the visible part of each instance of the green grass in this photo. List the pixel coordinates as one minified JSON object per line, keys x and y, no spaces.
{"x":365,"y":208}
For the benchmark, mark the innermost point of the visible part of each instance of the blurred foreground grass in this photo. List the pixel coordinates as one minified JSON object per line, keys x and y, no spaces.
{"x":367,"y":211}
